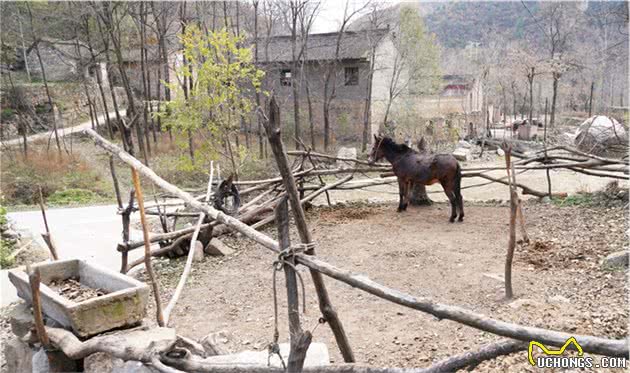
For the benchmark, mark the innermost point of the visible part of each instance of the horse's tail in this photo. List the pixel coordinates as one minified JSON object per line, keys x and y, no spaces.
{"x":458,"y":184}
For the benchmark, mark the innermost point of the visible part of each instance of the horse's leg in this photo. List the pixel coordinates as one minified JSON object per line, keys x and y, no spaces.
{"x":401,"y":187}
{"x":460,"y":199}
{"x":450,"y":194}
{"x":409,"y":190}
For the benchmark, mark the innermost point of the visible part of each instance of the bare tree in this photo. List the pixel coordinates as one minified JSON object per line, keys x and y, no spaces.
{"x":36,"y":41}
{"x":375,"y":22}
{"x":330,"y":77}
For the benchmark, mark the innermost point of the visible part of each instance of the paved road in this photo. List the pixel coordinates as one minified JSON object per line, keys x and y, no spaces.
{"x":62,"y":131}
{"x":89,"y":233}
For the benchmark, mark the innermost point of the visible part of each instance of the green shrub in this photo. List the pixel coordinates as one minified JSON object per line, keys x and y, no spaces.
{"x":574,"y":200}
{"x":7,"y":114}
{"x":22,"y":178}
{"x":6,"y":246}
{"x":6,"y":249}
{"x":72,"y":196}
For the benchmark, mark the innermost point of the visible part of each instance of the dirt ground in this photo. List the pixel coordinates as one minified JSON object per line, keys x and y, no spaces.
{"x":558,"y":281}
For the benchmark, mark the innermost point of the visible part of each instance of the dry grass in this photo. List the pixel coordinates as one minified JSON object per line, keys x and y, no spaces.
{"x":22,"y":176}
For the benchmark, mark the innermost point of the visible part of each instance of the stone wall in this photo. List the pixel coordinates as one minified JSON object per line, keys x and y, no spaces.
{"x":346,"y":112}
{"x":68,"y":97}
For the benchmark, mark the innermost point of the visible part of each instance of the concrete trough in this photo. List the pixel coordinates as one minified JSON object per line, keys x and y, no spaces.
{"x":123,"y":305}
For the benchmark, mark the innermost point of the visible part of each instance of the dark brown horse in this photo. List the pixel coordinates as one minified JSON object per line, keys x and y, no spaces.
{"x":412,"y":167}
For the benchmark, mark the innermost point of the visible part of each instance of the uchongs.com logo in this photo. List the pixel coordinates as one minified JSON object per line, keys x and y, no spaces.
{"x":555,"y":359}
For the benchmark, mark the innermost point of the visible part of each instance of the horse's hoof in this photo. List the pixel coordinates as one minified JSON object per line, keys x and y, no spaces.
{"x":400,"y":209}
{"x":461,"y":219}
{"x":451,"y":220}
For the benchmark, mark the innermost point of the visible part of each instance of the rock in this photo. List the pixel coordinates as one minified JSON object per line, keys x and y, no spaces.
{"x":21,"y":319}
{"x":599,"y":132}
{"x":317,"y":355}
{"x":142,"y":339}
{"x":101,"y":362}
{"x":617,"y":260}
{"x":213,"y":343}
{"x":18,"y":356}
{"x":54,"y":361}
{"x":198,"y":254}
{"x":346,"y":153}
{"x":559,"y":299}
{"x":524,"y":302}
{"x":10,"y":234}
{"x":545,"y":199}
{"x":133,"y":367}
{"x":500,"y":152}
{"x":464,"y":144}
{"x":494,"y":276}
{"x":216,"y":247}
{"x":462,"y":154}
{"x":375,"y":200}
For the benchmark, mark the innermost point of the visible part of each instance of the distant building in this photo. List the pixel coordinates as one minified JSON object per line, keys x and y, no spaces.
{"x":459,"y":94}
{"x":350,"y":79}
{"x":133,"y":68}
{"x":63,"y":60}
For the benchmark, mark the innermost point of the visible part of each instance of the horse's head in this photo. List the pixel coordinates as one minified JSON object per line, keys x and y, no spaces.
{"x":377,"y":151}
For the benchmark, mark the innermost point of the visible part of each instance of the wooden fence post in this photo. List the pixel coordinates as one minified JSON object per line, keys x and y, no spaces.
{"x":299,"y":340}
{"x":272,"y":127}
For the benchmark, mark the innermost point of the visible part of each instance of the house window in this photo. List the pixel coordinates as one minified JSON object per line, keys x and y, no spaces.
{"x":352,"y":75}
{"x":285,"y":78}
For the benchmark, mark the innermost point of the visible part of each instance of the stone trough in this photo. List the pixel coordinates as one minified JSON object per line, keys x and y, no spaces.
{"x":124,"y":303}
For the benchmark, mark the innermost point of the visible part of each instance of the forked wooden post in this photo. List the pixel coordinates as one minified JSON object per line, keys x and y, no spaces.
{"x":47,"y":236}
{"x":300,"y":340}
{"x":512,"y":235}
{"x":272,"y":127}
{"x":147,"y":248}
{"x":126,"y":222}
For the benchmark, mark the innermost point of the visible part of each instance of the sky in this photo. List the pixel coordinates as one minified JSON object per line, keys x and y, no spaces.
{"x":331,"y":13}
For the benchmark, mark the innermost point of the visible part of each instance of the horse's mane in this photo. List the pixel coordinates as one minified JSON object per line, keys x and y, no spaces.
{"x":388,"y":142}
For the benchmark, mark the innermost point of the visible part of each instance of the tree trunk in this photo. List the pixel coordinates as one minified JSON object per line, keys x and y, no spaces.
{"x":326,"y":126}
{"x":590,"y":100}
{"x":125,"y":134}
{"x":554,"y":98}
{"x":530,"y":78}
{"x":258,"y":121}
{"x":294,"y":76}
{"x":368,"y":104}
{"x":311,"y":120}
{"x":41,"y":65}
{"x":419,"y":195}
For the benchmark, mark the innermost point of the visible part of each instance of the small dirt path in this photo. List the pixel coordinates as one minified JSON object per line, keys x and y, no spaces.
{"x":65,"y":131}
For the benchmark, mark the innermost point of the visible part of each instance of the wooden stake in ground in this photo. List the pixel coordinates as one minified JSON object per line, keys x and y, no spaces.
{"x":512,"y":237}
{"x":126,"y":222}
{"x":147,"y":248}
{"x":300,"y":340}
{"x":46,"y":236}
{"x":272,"y":127}
{"x":34,"y":278}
